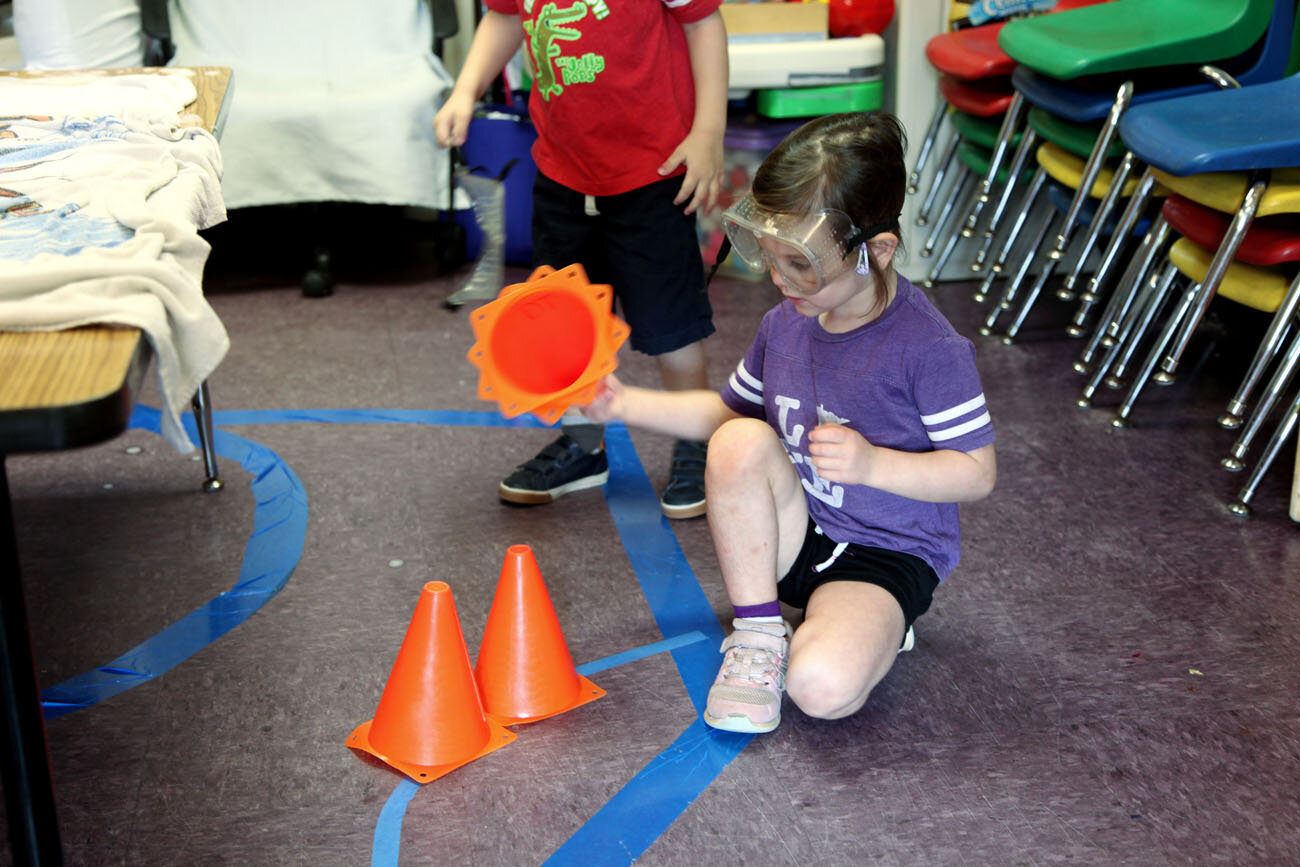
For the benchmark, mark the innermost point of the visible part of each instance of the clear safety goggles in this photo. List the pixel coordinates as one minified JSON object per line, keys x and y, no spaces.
{"x":810,"y":250}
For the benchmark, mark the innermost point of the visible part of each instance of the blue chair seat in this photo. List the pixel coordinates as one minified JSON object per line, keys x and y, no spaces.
{"x":1254,"y":127}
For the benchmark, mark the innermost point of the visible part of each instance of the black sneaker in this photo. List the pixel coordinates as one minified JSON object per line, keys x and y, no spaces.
{"x":560,"y":468}
{"x":684,"y":495}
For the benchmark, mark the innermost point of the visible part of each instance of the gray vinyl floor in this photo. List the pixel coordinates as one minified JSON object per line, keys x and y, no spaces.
{"x":1108,"y":678}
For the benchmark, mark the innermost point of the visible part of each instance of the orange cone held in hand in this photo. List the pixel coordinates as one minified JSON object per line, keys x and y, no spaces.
{"x":524,"y":669}
{"x":430,"y":719}
{"x":544,"y":345}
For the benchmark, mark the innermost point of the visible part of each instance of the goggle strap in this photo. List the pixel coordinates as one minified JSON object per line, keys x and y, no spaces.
{"x":867,"y":234}
{"x":723,"y":249}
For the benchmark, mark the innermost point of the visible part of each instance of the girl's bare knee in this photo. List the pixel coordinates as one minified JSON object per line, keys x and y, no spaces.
{"x":737,"y":449}
{"x":823,"y":693}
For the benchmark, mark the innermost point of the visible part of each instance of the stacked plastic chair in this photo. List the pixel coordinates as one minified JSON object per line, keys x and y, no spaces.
{"x":975,"y":92}
{"x":1092,"y":65}
{"x":1233,"y":152}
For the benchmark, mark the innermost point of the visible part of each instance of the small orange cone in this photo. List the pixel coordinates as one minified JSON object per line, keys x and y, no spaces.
{"x":544,"y":345}
{"x":524,"y":669}
{"x":430,"y":720}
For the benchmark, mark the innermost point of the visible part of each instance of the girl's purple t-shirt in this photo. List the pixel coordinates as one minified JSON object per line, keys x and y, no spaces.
{"x":906,"y":380}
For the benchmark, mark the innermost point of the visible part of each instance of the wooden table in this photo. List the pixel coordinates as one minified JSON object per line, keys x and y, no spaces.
{"x":60,"y":390}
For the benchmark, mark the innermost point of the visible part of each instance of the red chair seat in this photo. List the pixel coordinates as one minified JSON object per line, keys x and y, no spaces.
{"x":984,"y":98}
{"x":1269,"y":241}
{"x":971,"y":53}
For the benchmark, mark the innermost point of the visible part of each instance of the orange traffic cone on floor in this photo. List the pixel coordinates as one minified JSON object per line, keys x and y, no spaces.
{"x":430,"y":720}
{"x":524,"y":669}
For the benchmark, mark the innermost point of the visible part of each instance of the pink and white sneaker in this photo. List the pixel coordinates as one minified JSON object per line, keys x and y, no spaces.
{"x":746,"y":696}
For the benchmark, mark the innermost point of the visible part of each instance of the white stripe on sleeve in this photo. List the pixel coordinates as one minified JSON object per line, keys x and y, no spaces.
{"x":950,"y":414}
{"x":938,"y":436}
{"x":744,"y":392}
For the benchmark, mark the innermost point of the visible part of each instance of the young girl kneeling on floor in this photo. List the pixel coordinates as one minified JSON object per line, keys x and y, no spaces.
{"x":843,"y":441}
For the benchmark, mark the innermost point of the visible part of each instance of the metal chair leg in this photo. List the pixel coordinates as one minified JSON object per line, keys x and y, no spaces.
{"x":949,"y":156}
{"x":1136,"y":205}
{"x":1242,"y":506}
{"x":1278,"y":384}
{"x":1104,"y":210}
{"x":964,"y":193}
{"x":931,"y":136}
{"x":1138,"y":266}
{"x":1092,"y":168}
{"x":1110,"y":369}
{"x":949,"y":206}
{"x":1006,"y":132}
{"x":1013,"y":285}
{"x":1035,"y":187}
{"x":1028,"y":140}
{"x":1218,"y":267}
{"x":202,"y":405}
{"x":1030,"y":298}
{"x":1283,"y":318}
{"x":1138,"y":323}
{"x":1179,"y":313}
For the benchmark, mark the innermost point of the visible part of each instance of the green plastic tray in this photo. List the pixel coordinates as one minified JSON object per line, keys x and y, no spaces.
{"x":826,"y":99}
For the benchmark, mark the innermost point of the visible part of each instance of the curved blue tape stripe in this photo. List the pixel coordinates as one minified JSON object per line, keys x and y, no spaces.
{"x":272,"y":552}
{"x":388,"y":829}
{"x":642,"y":810}
{"x":387,"y":843}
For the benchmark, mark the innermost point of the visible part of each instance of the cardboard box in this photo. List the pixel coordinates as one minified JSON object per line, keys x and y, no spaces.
{"x":775,"y":22}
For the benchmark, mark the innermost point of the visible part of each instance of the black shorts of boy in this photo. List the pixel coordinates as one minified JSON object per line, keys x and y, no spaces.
{"x":641,"y":244}
{"x":908,"y":578}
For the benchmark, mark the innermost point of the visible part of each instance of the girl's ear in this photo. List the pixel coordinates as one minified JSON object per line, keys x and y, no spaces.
{"x":883,"y":247}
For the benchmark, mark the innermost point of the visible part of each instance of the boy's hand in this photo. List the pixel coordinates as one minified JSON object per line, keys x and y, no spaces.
{"x":607,"y":405}
{"x":702,"y":154}
{"x":840,"y":454}
{"x":451,"y":123}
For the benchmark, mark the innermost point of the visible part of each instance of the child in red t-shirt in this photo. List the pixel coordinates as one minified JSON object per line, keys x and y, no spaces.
{"x":629,"y":102}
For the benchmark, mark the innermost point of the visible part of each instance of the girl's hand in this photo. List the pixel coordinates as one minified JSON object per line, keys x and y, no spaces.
{"x":607,"y":405}
{"x":840,"y":454}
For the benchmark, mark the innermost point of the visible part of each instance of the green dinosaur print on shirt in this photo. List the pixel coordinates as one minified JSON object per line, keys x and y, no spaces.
{"x":544,"y":32}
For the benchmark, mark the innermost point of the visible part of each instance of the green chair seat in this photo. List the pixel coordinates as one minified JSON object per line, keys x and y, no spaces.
{"x":1077,"y":138}
{"x":1135,"y":34}
{"x":983,"y":131}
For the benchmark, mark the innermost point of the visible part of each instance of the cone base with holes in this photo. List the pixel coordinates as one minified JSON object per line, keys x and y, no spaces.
{"x":430,"y":720}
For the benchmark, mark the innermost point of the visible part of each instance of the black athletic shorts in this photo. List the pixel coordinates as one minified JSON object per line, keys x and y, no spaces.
{"x":908,"y":578}
{"x":641,"y":244}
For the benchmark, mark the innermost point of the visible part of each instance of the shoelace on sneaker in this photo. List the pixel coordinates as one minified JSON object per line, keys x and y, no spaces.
{"x":758,"y":665}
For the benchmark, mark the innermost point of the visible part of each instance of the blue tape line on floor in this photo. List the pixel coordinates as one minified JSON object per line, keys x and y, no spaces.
{"x":590,"y":668}
{"x":642,"y":810}
{"x":373,"y":416}
{"x":387,"y":845}
{"x":272,"y":552}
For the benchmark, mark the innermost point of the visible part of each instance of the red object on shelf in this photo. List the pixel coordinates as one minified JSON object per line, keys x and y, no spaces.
{"x":860,"y":17}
